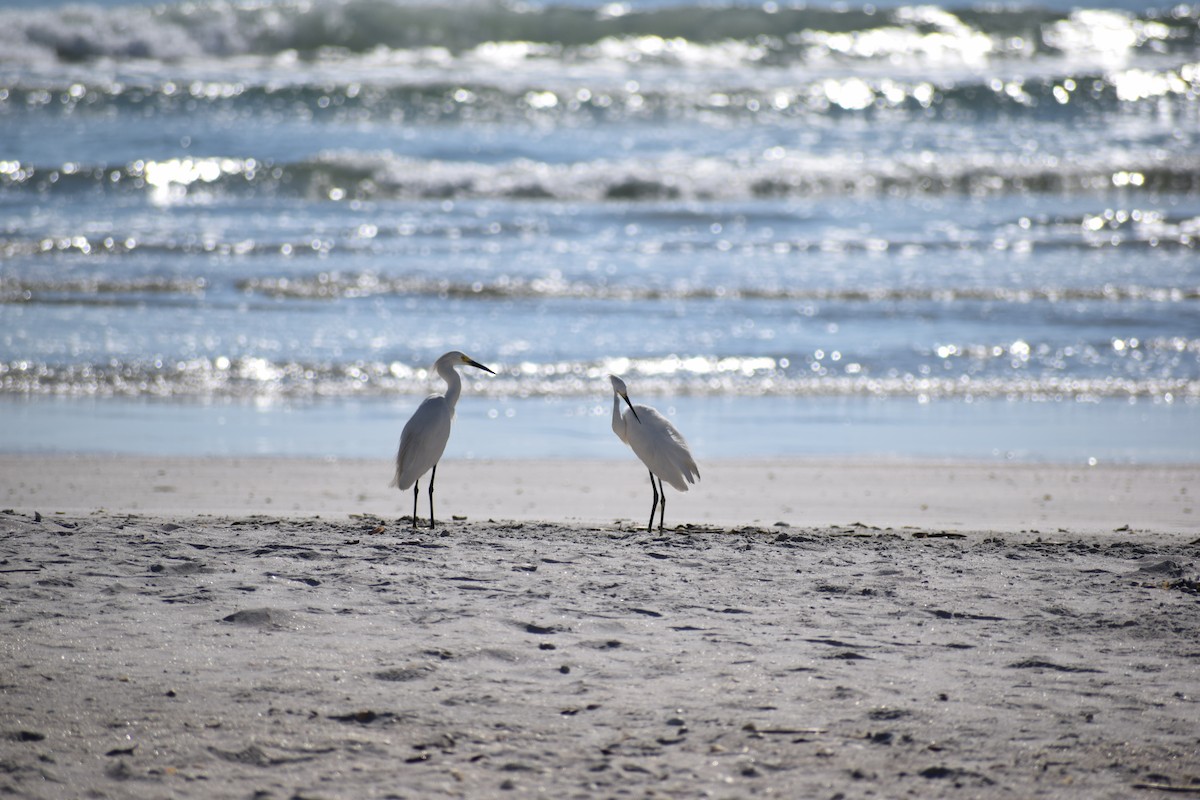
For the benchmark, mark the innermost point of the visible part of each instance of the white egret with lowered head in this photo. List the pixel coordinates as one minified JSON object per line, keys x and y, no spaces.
{"x":657,"y":443}
{"x":424,"y":437}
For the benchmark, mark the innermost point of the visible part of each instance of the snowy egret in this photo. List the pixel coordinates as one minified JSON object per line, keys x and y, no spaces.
{"x":657,"y":443}
{"x":424,"y":438}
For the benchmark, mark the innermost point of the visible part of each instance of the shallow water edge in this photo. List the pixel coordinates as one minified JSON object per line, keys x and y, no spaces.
{"x":1066,"y":432}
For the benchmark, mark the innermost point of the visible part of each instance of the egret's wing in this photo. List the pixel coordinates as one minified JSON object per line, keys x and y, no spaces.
{"x":423,"y":441}
{"x":662,"y":448}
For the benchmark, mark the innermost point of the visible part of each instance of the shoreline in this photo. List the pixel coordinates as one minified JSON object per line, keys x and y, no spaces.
{"x":880,"y":493}
{"x":717,"y":428}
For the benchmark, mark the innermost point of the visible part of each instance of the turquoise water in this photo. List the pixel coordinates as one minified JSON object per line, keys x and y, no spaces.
{"x":812,"y":230}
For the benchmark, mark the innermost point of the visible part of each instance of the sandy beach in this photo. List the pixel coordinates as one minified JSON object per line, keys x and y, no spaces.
{"x":995,"y":496}
{"x":273,"y":629}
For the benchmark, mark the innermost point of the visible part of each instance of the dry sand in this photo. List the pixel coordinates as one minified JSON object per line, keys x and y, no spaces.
{"x":194,"y":640}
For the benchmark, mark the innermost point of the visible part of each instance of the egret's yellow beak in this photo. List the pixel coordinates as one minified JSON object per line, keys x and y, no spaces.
{"x":476,"y":364}
{"x":625,"y":397}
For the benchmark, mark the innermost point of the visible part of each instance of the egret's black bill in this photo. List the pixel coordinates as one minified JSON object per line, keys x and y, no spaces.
{"x":631,"y":408}
{"x":479,"y":366}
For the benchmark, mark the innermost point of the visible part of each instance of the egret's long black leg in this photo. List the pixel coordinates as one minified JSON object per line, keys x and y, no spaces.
{"x":662,"y":504}
{"x":416,"y":488}
{"x":432,"y":475}
{"x":653,"y":508}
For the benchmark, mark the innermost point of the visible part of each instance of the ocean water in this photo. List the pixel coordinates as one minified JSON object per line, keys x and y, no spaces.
{"x":964,"y":230}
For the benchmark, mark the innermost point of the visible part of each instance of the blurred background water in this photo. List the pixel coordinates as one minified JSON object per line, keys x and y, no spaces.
{"x":959,"y":230}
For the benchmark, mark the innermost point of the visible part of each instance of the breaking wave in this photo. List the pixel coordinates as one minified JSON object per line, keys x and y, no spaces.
{"x":774,"y":173}
{"x":353,"y":285}
{"x":494,"y":94}
{"x":252,"y":377}
{"x":768,"y":33}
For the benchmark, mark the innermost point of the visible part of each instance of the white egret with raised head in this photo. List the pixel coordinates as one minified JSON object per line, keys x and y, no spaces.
{"x":424,"y":437}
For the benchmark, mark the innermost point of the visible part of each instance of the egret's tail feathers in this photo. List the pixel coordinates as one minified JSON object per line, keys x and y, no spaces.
{"x":400,"y":480}
{"x":685,"y":472}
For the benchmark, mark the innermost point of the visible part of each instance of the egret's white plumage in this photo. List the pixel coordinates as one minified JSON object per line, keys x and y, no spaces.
{"x":424,"y":437}
{"x":659,"y":445}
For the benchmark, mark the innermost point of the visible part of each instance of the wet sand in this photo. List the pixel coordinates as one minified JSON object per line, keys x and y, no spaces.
{"x":166,"y":648}
{"x":995,"y":496}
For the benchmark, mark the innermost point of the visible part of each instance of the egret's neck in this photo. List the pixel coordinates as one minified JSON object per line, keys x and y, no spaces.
{"x":618,"y":422}
{"x":453,"y":385}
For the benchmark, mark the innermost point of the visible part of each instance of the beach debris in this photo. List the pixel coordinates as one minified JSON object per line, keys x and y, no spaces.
{"x":307,"y":581}
{"x":1169,"y":787}
{"x":571,"y":711}
{"x":943,"y":614}
{"x":181,"y":566}
{"x":122,"y":751}
{"x":608,"y":644}
{"x":402,"y":674}
{"x":1185,"y":585}
{"x":262,"y":618}
{"x":443,"y":741}
{"x":1036,"y":663}
{"x":255,"y":756}
{"x":1166,"y":567}
{"x":832,"y":642}
{"x":363,"y":716}
{"x":424,"y":544}
{"x":756,"y":731}
{"x":469,"y":579}
{"x":679,"y":737}
{"x":883,"y":714}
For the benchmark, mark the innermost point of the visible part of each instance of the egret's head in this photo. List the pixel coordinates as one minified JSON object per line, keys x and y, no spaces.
{"x":457,"y":358}
{"x":619,"y":387}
